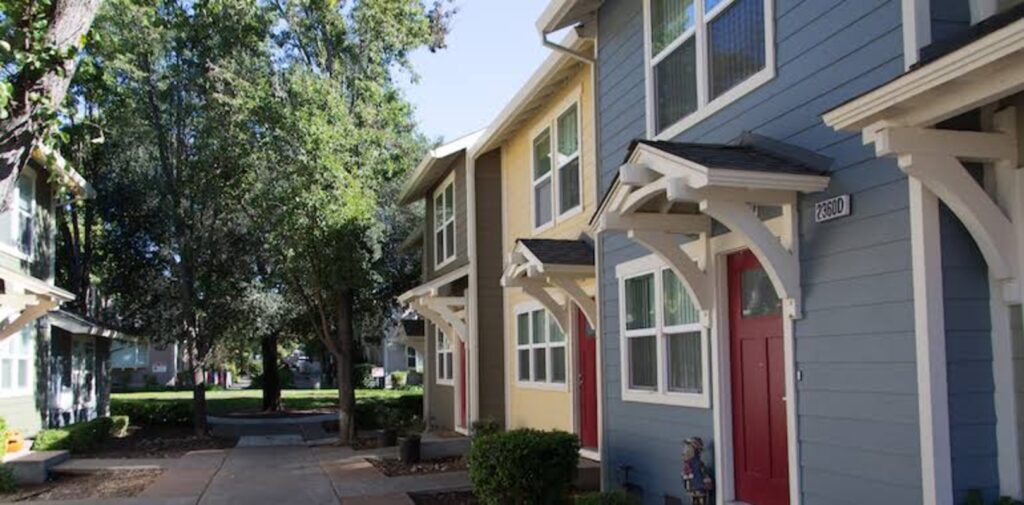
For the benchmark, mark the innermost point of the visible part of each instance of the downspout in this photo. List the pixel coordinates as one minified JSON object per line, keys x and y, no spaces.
{"x":554,"y":46}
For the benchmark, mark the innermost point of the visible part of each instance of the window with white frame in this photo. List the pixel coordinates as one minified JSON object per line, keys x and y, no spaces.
{"x":444,"y":222}
{"x":410,"y":357}
{"x":983,"y":9}
{"x":540,"y":348}
{"x":19,"y":219}
{"x":445,"y":360}
{"x":698,"y":52}
{"x":557,"y":188}
{"x":663,"y":340}
{"x":17,"y":357}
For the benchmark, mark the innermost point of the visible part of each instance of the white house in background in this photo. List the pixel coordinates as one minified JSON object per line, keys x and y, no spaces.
{"x":138,"y":362}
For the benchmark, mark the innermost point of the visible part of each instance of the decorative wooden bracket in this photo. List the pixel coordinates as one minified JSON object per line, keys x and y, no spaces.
{"x":665,"y":246}
{"x":782,"y":266}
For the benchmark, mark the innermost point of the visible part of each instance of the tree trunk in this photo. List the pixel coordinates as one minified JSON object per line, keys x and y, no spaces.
{"x":346,"y":390}
{"x":198,"y":391}
{"x":271,"y":379}
{"x":70,"y":21}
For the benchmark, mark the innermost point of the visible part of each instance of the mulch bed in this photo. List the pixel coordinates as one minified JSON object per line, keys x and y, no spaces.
{"x":157,"y":442}
{"x":100,"y":485}
{"x":393,"y":467}
{"x":444,"y":498}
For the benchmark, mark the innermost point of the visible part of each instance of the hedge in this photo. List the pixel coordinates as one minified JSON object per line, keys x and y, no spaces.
{"x":524,"y":467}
{"x":79,"y":437}
{"x":606,"y":498}
{"x":371,"y":413}
{"x":3,"y":438}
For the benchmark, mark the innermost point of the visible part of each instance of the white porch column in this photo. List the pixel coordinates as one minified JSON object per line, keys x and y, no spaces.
{"x":930,"y":337}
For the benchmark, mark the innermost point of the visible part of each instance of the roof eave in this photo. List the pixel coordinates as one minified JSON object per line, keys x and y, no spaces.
{"x":415,"y":186}
{"x":564,"y":13}
{"x":51,"y":159}
{"x":884,"y":102}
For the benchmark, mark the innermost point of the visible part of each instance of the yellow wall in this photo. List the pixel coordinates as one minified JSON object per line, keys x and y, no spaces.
{"x":546,"y":407}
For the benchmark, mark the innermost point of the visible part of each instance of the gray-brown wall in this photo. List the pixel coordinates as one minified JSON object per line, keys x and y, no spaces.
{"x":461,"y":222}
{"x":490,"y":314}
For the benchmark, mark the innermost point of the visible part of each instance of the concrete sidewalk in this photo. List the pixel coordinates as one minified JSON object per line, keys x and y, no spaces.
{"x":253,"y":474}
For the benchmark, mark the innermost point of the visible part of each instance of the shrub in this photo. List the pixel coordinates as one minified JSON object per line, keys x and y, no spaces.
{"x":524,"y":466}
{"x":119,"y":426}
{"x":3,"y":437}
{"x":80,"y":437}
{"x":606,"y":498}
{"x":374,"y":413}
{"x":7,"y":483}
{"x":152,"y":412}
{"x":399,"y":379}
{"x":485,"y":427}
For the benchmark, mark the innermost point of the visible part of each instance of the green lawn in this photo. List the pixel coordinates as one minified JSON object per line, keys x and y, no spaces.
{"x":249,"y":400}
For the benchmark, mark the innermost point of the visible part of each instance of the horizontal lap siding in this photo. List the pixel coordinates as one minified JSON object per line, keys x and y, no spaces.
{"x":855,"y":343}
{"x":972,"y":416}
{"x":440,"y":398}
{"x":461,"y":224}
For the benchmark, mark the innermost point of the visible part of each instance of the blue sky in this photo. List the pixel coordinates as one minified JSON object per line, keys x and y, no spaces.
{"x":492,"y":50}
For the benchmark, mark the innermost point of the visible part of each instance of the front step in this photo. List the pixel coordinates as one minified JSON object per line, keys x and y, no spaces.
{"x":588,"y":475}
{"x":34,"y":467}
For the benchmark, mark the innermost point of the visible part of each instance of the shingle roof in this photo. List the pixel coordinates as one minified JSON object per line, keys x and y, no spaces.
{"x":560,"y":252}
{"x":414,"y":327}
{"x":730,"y":157}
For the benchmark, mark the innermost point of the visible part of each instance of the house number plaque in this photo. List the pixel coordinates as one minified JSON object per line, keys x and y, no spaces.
{"x":833,"y":208}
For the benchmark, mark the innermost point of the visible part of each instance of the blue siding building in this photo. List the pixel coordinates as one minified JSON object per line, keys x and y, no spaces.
{"x":893,"y":368}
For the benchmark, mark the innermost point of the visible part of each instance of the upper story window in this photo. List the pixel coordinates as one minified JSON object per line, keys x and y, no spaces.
{"x":20,"y":219}
{"x":540,"y":348}
{"x":557,"y":181}
{"x":129,"y":354}
{"x":444,"y":222}
{"x":702,"y":55}
{"x":445,"y":361}
{"x":17,"y":357}
{"x":982,"y":9}
{"x":663,"y":348}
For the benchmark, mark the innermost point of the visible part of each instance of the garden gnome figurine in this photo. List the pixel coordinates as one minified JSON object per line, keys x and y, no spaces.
{"x":697,"y":481}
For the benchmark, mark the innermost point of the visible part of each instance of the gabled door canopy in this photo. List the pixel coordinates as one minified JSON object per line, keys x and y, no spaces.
{"x":37,"y":299}
{"x":668,"y":189}
{"x":445,"y":312}
{"x":536,"y":265}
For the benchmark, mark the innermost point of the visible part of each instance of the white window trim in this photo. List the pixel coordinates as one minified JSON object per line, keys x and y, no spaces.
{"x":13,"y":247}
{"x":527,"y":308}
{"x":415,"y":357}
{"x":551,"y":125}
{"x":660,"y":395}
{"x":29,"y":389}
{"x":705,"y":108}
{"x":439,"y":354}
{"x":440,"y":226}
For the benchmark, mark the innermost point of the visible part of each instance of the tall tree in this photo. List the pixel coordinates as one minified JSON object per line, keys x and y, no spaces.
{"x":177,"y":248}
{"x":335,"y":137}
{"x":41,"y":39}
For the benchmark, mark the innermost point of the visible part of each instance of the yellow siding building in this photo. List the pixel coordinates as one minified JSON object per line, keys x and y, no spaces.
{"x":548,"y":179}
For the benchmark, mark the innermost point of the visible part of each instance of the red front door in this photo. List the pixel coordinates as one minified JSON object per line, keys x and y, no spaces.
{"x":758,"y":384}
{"x":586,"y":358}
{"x":463,"y":385}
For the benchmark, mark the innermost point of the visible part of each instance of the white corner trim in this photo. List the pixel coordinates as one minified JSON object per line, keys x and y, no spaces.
{"x":930,"y":337}
{"x":917,"y":29}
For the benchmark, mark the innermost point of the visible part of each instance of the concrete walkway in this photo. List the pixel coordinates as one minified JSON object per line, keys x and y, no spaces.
{"x":273,"y":470}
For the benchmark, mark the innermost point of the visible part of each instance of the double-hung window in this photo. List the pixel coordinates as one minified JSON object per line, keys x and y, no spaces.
{"x":702,"y":55}
{"x":557,"y":188}
{"x":663,"y":341}
{"x":20,"y":219}
{"x":17,"y":357}
{"x":410,"y":357}
{"x":540,"y":348}
{"x":444,"y":222}
{"x":445,"y":362}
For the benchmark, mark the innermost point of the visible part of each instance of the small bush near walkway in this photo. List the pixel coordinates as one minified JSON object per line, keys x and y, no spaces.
{"x":524,"y":467}
{"x":6,"y":475}
{"x":80,"y":437}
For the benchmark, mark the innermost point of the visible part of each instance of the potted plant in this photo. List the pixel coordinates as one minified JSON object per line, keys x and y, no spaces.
{"x":409,"y":451}
{"x":388,"y":435}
